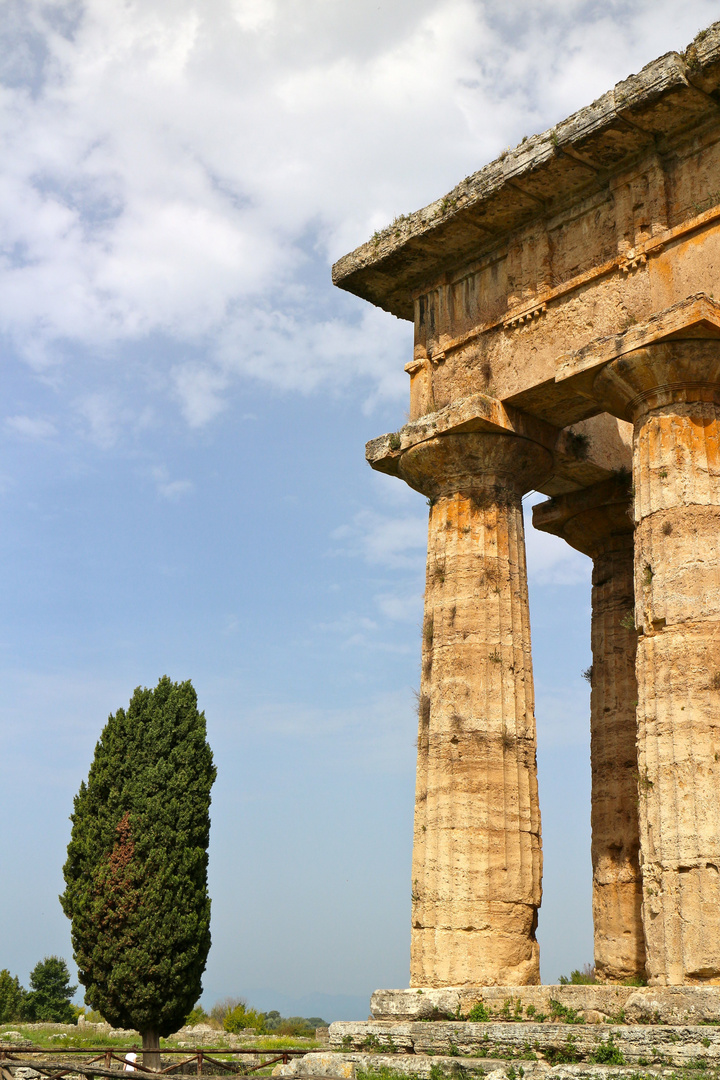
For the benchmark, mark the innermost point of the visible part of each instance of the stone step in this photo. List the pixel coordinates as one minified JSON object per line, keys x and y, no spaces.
{"x":636,"y":1004}
{"x":643,"y":1045}
{"x":363,"y":1066}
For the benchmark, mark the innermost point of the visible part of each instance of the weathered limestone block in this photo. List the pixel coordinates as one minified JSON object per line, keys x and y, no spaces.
{"x":453,"y":1001}
{"x":638,"y":1043}
{"x":323,"y":1064}
{"x":597,"y":522}
{"x":346,"y":1066}
{"x":678,"y":1005}
{"x":671,"y":391}
{"x":476,"y":857}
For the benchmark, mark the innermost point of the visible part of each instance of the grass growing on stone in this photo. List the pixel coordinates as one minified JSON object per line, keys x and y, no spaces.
{"x":607,"y":1054}
{"x":694,"y":1071}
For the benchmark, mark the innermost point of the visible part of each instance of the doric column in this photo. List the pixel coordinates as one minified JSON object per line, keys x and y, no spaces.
{"x":477,"y":855}
{"x":671,"y":391}
{"x":597,"y":521}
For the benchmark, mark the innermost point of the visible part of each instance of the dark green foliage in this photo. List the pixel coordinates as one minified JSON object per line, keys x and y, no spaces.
{"x":607,"y":1053}
{"x":564,"y":1014}
{"x":586,"y":977}
{"x":293,"y":1025}
{"x":136,"y":870}
{"x":563,"y":1055}
{"x":298,"y":1025}
{"x":511,"y":1010}
{"x":478,"y":1013}
{"x":196,"y":1016}
{"x":49,"y":998}
{"x":12,"y":996}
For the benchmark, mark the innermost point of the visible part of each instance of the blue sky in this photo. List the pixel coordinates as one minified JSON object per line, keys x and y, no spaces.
{"x":185,"y":402}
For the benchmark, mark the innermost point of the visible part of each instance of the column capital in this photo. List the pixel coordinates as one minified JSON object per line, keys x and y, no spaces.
{"x":670,"y":372}
{"x":475,"y":463}
{"x":593,"y":520}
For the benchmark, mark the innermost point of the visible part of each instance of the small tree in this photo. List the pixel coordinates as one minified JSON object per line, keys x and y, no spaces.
{"x":12,"y":996}
{"x":136,"y":871}
{"x":240,"y":1018}
{"x":51,"y":993}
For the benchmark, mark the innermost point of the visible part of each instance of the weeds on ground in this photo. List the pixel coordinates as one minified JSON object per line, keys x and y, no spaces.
{"x":48,"y":1038}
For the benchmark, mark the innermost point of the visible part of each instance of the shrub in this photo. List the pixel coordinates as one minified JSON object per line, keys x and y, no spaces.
{"x":564,"y":1014}
{"x":296,"y":1025}
{"x":586,"y":977}
{"x":292,"y":1025}
{"x":563,"y":1055}
{"x":240,"y":1018}
{"x":221,"y":1008}
{"x":607,"y":1053}
{"x":478,"y":1013}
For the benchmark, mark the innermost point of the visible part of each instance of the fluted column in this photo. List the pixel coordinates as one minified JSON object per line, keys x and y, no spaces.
{"x":671,"y":391}
{"x":597,"y":521}
{"x":476,"y":879}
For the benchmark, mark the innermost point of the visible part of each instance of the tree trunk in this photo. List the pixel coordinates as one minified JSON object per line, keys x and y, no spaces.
{"x":151,"y":1050}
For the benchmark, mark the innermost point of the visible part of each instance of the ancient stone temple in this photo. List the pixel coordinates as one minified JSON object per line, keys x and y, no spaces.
{"x":567,"y":341}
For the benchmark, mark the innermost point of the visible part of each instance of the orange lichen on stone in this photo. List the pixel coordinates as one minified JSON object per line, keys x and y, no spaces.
{"x":565,"y":332}
{"x":476,"y":857}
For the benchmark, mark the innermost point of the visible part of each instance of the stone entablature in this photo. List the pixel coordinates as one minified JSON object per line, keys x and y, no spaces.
{"x":567,"y":340}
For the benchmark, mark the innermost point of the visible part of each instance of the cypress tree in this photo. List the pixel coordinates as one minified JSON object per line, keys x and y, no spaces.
{"x":136,"y":869}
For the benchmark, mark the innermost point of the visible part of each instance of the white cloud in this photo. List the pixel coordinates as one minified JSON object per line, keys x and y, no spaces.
{"x":199,"y":390}
{"x":378,"y":733}
{"x":550,"y":560}
{"x":398,"y":541}
{"x":31,"y":427}
{"x":172,"y":490}
{"x":185,"y":170}
{"x":553,"y":562}
{"x":393,"y":542}
{"x":401,"y":607}
{"x":100,"y":415}
{"x":563,"y":714}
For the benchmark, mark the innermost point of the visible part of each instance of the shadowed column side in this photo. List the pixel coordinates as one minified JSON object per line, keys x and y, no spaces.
{"x":597,"y":521}
{"x":671,"y":391}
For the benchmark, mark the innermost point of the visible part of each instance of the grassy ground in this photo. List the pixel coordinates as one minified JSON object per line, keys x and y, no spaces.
{"x":56,"y":1036}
